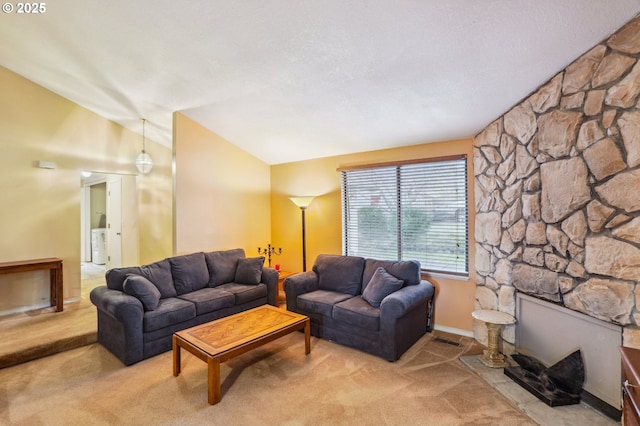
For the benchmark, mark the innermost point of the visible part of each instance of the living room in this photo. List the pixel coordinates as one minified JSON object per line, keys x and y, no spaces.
{"x":203,"y":193}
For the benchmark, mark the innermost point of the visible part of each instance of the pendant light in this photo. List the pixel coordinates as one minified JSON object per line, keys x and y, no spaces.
{"x":144,"y":163}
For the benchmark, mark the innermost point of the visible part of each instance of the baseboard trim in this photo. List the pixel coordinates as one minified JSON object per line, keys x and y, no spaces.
{"x":452,"y":330}
{"x":24,"y":309}
{"x":602,"y":406}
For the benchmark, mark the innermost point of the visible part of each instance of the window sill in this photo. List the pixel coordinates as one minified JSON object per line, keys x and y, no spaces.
{"x":445,"y":275}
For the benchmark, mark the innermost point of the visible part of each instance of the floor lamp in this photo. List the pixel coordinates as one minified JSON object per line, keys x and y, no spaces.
{"x":303,"y":203}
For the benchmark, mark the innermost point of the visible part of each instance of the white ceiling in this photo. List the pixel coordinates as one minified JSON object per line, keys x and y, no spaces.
{"x":288,"y":80}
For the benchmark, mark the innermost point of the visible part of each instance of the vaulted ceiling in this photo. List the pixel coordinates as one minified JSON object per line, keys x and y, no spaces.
{"x":289,"y":80}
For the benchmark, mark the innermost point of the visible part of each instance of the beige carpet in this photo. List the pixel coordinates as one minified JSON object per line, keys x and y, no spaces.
{"x":275,"y":384}
{"x":42,"y":332}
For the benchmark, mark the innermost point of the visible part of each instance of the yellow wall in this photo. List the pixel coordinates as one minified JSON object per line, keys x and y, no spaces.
{"x":222,"y":193}
{"x":320,"y":178}
{"x":40,"y":208}
{"x":224,"y":197}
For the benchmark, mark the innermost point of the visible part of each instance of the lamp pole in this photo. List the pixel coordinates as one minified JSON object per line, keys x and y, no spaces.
{"x":304,"y":240}
{"x":303,"y":203}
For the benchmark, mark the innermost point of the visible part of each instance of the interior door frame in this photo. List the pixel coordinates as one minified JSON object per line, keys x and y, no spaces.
{"x":130,"y":243}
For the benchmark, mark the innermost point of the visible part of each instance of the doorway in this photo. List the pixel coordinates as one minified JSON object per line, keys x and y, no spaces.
{"x":109,"y":226}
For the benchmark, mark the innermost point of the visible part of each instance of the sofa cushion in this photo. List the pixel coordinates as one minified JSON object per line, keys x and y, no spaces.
{"x":249,"y":270}
{"x":320,"y":301}
{"x":115,"y":277}
{"x":342,"y":274}
{"x":222,"y":265}
{"x":380,"y":286}
{"x":143,"y":289}
{"x":209,"y":299}
{"x":159,"y":273}
{"x":189,"y":272}
{"x":170,"y":311}
{"x":406,"y":270}
{"x":358,"y":313}
{"x":244,"y":293}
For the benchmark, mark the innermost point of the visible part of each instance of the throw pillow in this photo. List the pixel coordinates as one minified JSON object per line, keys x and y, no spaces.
{"x":249,"y":270}
{"x":381,"y":285}
{"x":142,"y":289}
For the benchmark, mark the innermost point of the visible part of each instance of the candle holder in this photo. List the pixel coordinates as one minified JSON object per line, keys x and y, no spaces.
{"x":270,"y":250}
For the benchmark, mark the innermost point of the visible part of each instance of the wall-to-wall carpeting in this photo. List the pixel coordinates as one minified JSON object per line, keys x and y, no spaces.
{"x":274,"y":384}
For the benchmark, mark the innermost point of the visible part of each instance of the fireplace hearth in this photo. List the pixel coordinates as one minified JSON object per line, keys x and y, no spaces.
{"x":559,"y":384}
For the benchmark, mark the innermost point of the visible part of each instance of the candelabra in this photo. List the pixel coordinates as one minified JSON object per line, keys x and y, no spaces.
{"x":269,"y":251}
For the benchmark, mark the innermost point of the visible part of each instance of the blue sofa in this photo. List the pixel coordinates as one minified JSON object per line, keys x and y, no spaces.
{"x":377,"y":306}
{"x":141,"y":307}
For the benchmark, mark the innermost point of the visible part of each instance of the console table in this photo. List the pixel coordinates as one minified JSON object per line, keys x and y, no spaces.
{"x":53,"y":264}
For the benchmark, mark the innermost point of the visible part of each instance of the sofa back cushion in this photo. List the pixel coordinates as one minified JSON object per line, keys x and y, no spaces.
{"x":342,"y":274}
{"x":406,"y":270}
{"x":189,"y":272}
{"x":115,"y":277}
{"x":222,"y":265}
{"x":159,"y":273}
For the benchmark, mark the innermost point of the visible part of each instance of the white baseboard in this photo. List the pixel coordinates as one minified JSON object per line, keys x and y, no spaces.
{"x":24,"y":309}
{"x":34,"y":307}
{"x":453,"y":330}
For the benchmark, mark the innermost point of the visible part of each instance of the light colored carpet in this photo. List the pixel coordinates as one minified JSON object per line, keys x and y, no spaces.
{"x":275,"y":384}
{"x":30,"y":335}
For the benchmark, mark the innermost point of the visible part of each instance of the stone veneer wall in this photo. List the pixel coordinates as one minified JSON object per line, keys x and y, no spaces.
{"x":557,"y":192}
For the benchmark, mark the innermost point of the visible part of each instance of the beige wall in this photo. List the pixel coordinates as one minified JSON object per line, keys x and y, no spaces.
{"x":98,"y":203}
{"x":40,"y":208}
{"x":320,"y":178}
{"x":222,"y":193}
{"x":225,"y":198}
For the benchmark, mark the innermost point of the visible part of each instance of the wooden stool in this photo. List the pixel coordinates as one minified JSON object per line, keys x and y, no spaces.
{"x":492,"y":357}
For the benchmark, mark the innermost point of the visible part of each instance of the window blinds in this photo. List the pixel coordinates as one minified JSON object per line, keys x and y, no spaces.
{"x":414,"y":211}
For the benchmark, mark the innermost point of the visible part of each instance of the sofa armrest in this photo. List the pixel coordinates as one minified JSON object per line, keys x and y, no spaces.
{"x":298,"y":284}
{"x":404,"y":317}
{"x":121,"y":306}
{"x":270,"y":279}
{"x":120,"y":318}
{"x":404,"y":300}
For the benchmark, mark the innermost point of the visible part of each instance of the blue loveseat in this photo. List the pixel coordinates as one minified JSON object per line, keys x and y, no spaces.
{"x":380,"y":307}
{"x":141,"y":307}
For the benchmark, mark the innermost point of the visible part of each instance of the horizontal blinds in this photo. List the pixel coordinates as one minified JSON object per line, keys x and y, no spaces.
{"x":411,"y":211}
{"x":371,"y":206}
{"x":434,"y":216}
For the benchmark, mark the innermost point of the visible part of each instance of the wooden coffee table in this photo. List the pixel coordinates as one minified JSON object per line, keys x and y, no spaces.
{"x":220,"y":340}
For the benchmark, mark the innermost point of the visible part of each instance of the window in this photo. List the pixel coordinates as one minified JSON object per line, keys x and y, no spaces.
{"x":408,"y":211}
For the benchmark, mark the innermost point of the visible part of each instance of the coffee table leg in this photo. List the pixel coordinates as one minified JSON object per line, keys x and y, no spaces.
{"x":214,"y":380}
{"x":176,"y":356}
{"x":307,"y":338}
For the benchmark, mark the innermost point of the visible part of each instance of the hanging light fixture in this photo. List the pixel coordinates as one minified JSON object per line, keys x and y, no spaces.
{"x":144,"y":163}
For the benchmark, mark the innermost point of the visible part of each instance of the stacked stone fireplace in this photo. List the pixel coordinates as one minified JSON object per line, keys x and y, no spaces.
{"x":557,"y":193}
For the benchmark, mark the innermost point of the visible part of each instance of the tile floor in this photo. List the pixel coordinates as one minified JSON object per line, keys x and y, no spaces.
{"x":579,"y":414}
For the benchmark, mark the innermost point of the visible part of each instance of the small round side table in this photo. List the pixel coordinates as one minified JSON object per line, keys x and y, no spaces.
{"x":492,"y":357}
